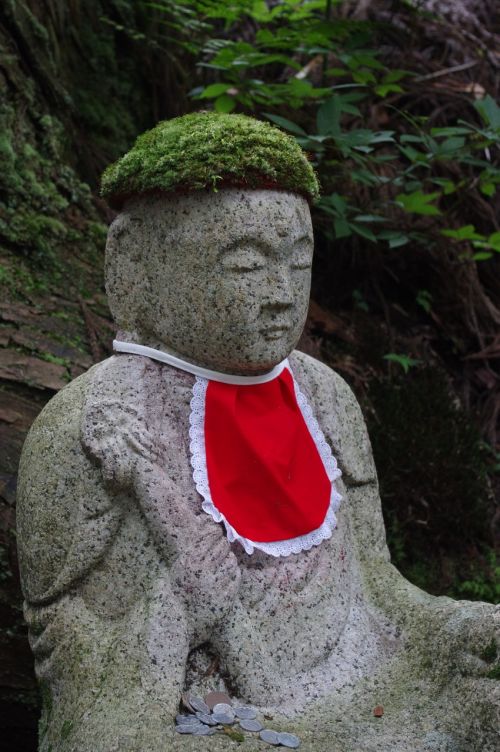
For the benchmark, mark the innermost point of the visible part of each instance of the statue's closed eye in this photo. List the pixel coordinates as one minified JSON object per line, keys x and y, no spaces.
{"x":244,"y":260}
{"x":251,"y":259}
{"x":301,"y":262}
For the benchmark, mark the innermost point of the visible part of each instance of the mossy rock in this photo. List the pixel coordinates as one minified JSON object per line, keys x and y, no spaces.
{"x":210,"y":150}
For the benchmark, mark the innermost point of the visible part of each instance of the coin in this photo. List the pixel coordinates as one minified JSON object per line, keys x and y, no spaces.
{"x":185,"y":702}
{"x":184,"y":729}
{"x":223,"y":707}
{"x":213,"y":698}
{"x":185,"y":720}
{"x":245,"y":712}
{"x":288,"y":740}
{"x":269,"y":736}
{"x":223,"y":718}
{"x":250,"y":724}
{"x":191,"y":726}
{"x":204,"y":731}
{"x":206,"y":718}
{"x":198,"y":704}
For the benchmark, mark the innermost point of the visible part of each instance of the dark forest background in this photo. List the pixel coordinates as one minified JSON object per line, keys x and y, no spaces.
{"x":396,"y":103}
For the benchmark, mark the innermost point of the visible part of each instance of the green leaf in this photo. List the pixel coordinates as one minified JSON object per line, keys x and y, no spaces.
{"x":369,"y":218}
{"x":225,"y":103}
{"x":214,"y":90}
{"x":364,"y":77}
{"x":395,"y":238}
{"x":453,"y":131}
{"x":424,"y":299}
{"x":488,"y":189}
{"x":328,"y":117}
{"x":482,"y":256}
{"x":398,"y":241}
{"x":418,"y":202}
{"x":448,"y":186}
{"x":337,"y":201}
{"x":336,"y":72}
{"x":403,"y":360}
{"x":489,"y":111}
{"x":341,"y":227}
{"x":300,"y":87}
{"x":288,"y":125}
{"x":408,"y":138}
{"x":384,"y":89}
{"x":363,"y":231}
{"x":413,"y":155}
{"x":454,"y":143}
{"x":467,"y":232}
{"x":395,"y":75}
{"x":494,"y":241}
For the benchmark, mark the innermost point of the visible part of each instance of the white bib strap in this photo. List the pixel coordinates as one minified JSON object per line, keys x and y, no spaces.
{"x":203,"y":373}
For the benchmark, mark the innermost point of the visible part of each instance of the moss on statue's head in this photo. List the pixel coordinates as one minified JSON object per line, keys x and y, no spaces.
{"x":210,"y":150}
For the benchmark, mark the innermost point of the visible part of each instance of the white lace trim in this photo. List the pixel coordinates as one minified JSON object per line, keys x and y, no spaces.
{"x":200,"y":476}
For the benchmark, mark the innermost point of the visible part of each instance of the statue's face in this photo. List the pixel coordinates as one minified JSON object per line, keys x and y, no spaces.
{"x":224,"y":277}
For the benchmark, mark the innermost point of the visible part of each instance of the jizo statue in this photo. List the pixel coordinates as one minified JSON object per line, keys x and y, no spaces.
{"x":200,"y":512}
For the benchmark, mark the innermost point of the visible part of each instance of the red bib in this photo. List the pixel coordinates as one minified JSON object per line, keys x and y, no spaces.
{"x":260,"y":460}
{"x":262,"y":464}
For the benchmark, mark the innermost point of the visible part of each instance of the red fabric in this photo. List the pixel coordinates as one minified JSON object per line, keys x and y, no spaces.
{"x":264,"y":471}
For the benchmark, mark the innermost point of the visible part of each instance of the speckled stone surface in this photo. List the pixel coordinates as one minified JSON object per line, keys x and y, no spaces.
{"x":133,"y":594}
{"x":220,"y":278}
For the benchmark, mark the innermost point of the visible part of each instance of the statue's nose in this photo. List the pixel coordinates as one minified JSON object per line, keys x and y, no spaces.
{"x":279,"y":293}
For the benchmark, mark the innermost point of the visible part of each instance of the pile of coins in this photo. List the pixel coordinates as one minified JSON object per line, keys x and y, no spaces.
{"x":216,"y":712}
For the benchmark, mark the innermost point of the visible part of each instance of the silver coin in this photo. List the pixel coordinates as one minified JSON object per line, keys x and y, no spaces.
{"x":288,"y":740}
{"x":269,"y":736}
{"x":185,"y":729}
{"x":186,"y":720}
{"x":197,"y":725}
{"x":223,"y":718}
{"x":204,"y":731}
{"x":206,"y":718}
{"x":245,"y":712}
{"x":198,"y":704}
{"x":223,"y":707}
{"x":250,"y":724}
{"x":185,"y":702}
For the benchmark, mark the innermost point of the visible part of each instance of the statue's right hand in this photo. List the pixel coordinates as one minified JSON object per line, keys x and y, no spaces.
{"x":204,"y":568}
{"x":117,"y":438}
{"x":206,"y":574}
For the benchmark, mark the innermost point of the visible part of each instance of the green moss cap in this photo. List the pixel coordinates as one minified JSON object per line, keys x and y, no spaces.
{"x":210,"y":150}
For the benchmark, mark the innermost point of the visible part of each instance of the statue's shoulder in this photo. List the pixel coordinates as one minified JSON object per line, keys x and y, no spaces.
{"x":322,"y":383}
{"x":337,"y":410}
{"x":59,"y":421}
{"x":63,"y":513}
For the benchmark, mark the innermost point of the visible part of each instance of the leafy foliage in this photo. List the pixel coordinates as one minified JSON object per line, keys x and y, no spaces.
{"x":433,"y":468}
{"x":326,"y":73}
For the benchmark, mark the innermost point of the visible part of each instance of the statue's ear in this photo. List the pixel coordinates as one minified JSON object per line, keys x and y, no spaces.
{"x":126,"y":272}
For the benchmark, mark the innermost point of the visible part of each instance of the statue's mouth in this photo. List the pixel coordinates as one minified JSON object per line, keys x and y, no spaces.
{"x":274,"y":331}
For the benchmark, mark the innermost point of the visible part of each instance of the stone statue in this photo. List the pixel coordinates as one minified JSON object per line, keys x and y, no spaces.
{"x":134,"y":594}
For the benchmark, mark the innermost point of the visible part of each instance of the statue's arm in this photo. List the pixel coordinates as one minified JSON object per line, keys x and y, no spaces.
{"x":438,"y":623}
{"x":65,"y":520}
{"x":101,"y":536}
{"x":339,"y":415}
{"x":121,"y":430}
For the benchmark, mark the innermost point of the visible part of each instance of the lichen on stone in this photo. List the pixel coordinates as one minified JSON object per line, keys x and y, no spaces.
{"x":210,"y":150}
